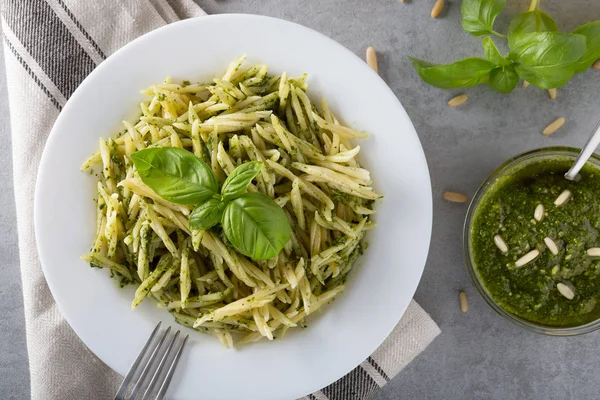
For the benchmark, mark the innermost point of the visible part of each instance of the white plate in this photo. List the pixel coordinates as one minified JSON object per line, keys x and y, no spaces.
{"x":378,"y":291}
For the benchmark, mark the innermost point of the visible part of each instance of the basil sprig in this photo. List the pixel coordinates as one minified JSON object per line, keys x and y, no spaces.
{"x":538,"y":53}
{"x":253,"y":223}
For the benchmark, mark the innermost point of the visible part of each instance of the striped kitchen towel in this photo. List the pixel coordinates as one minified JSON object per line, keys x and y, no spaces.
{"x":50,"y":47}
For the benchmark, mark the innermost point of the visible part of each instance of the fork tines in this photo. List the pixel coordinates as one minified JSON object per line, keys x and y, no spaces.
{"x":153,"y":368}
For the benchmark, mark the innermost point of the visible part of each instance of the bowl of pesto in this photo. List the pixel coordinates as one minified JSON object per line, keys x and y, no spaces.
{"x":532,"y":242}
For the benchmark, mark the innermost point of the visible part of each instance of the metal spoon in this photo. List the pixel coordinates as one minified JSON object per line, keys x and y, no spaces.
{"x":585,"y":154}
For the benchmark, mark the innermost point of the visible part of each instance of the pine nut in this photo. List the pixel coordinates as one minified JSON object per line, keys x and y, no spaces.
{"x":552,"y":93}
{"x":462,"y":299}
{"x":527,"y":258}
{"x":501,"y":244}
{"x":553,"y":127}
{"x":372,"y":59}
{"x":437,"y":8}
{"x":596,"y":65}
{"x":525,"y":84}
{"x":562,"y":198}
{"x":551,"y":245}
{"x":565,"y":291}
{"x":458,"y":100}
{"x":538,"y":214}
{"x":455,"y":197}
{"x":594,"y":252}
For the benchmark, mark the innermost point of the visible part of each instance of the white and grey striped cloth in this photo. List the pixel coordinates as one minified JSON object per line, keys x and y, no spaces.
{"x":50,"y":47}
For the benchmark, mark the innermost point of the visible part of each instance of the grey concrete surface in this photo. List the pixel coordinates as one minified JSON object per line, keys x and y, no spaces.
{"x":479,"y":355}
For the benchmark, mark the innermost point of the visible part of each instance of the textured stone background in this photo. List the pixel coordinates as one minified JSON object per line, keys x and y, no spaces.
{"x":479,"y":355}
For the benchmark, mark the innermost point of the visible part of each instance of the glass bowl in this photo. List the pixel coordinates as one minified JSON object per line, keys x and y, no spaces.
{"x":507,"y":167}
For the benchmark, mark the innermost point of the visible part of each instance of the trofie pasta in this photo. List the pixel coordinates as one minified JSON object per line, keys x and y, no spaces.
{"x":310,"y":170}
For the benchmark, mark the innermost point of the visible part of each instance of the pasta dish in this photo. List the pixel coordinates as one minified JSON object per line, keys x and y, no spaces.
{"x":246,"y":275}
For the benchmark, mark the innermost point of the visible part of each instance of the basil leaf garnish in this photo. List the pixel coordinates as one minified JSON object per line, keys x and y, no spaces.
{"x":207,"y":214}
{"x":176,"y":174}
{"x":239,"y":179}
{"x":256,"y":226}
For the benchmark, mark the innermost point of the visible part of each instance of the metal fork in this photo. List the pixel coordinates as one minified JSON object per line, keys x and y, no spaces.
{"x":154,"y":366}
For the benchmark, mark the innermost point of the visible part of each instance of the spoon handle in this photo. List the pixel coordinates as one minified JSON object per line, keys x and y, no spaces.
{"x":585,"y":154}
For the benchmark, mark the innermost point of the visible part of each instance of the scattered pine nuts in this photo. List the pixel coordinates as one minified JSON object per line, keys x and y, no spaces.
{"x":462,"y":299}
{"x":596,"y":65}
{"x":455,"y":197}
{"x":437,"y":8}
{"x":538,"y":214}
{"x":562,"y":198}
{"x":594,"y":252}
{"x":552,"y":93}
{"x":551,"y":245}
{"x":525,"y":84}
{"x":372,"y":59}
{"x":553,"y":127}
{"x":501,"y":244}
{"x":458,"y":100}
{"x":527,"y":258}
{"x":565,"y":291}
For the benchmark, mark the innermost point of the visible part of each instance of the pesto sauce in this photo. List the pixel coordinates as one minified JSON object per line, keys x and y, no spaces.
{"x":507,"y":209}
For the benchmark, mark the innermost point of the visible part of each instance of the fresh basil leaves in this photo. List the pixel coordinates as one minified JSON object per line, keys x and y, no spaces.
{"x":239,"y":179}
{"x":538,"y":53}
{"x":478,"y":16}
{"x":504,"y":79}
{"x":547,"y":59}
{"x":465,"y":73}
{"x":253,"y":223}
{"x":529,"y":22}
{"x":207,"y":214}
{"x":256,"y":226}
{"x":591,"y":32}
{"x":175,"y":174}
{"x":492,"y":53}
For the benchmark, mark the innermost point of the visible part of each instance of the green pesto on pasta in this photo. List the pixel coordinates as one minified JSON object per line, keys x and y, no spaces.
{"x":310,"y":170}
